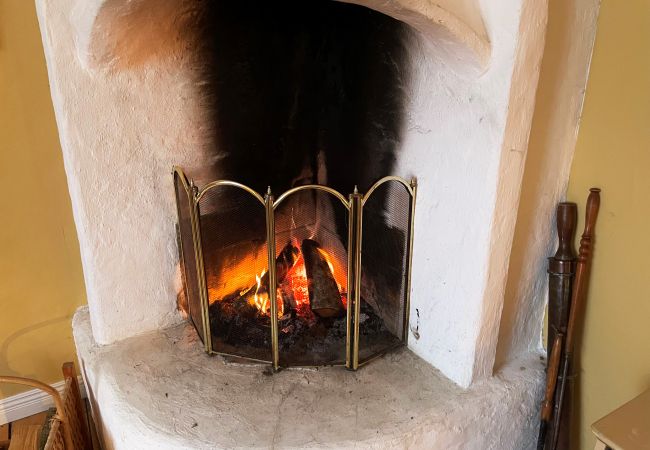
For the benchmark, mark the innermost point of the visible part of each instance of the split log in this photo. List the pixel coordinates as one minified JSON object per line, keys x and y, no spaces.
{"x":285,"y":261}
{"x":236,"y":321}
{"x":324,"y":295}
{"x":288,"y":299}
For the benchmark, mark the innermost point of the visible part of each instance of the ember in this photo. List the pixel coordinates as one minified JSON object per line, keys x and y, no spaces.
{"x":311,"y":301}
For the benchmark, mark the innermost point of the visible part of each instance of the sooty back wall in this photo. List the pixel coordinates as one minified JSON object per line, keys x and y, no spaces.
{"x":289,"y":79}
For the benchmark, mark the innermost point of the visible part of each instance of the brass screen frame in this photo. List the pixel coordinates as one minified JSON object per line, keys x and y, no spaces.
{"x":354,"y":204}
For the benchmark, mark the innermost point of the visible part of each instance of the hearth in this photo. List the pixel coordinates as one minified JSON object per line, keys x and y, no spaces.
{"x":309,"y":278}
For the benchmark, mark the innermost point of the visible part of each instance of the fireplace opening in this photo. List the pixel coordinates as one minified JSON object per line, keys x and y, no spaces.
{"x":273,"y":280}
{"x":306,"y":98}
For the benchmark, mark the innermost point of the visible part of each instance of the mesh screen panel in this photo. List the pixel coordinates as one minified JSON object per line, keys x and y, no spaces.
{"x":313,"y":292}
{"x":233,"y":238}
{"x":384,"y":248}
{"x":311,"y":266}
{"x":192,"y":299}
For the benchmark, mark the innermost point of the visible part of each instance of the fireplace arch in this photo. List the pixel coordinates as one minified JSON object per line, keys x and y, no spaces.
{"x":154,"y":28}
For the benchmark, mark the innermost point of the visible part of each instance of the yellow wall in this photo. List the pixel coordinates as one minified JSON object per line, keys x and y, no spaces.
{"x":41,"y":282}
{"x":613,"y":152}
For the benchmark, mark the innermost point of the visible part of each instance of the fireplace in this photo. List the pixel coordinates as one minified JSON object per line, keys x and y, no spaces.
{"x":414,"y":103}
{"x":439,"y":90}
{"x":283,"y":281}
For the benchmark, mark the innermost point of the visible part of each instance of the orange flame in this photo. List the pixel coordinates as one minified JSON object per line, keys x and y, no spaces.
{"x":262,"y":301}
{"x":296,"y":282}
{"x":337,"y":269}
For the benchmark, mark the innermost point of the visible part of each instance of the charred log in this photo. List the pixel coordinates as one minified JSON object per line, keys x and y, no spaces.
{"x":288,"y":299}
{"x":324,"y":295}
{"x":237,"y":323}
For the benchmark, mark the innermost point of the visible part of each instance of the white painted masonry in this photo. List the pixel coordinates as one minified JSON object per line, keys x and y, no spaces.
{"x":557,"y":118}
{"x":466,"y":142}
{"x":121,"y":131}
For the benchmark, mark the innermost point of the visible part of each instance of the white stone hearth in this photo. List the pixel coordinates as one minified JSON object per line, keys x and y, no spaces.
{"x":160,"y":390}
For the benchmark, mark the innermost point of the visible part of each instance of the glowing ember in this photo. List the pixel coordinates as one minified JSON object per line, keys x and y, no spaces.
{"x":298,"y":283}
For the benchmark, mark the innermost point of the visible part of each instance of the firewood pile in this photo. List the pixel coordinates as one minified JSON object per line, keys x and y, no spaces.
{"x":313,"y":323}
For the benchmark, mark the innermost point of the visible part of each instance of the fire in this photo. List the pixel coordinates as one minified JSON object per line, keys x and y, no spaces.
{"x":292,"y":290}
{"x":337,"y":269}
{"x":236,"y":273}
{"x":327,"y":259}
{"x":297,"y":281}
{"x":262,"y":301}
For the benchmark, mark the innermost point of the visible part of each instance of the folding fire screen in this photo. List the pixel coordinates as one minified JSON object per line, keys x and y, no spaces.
{"x":309,"y":278}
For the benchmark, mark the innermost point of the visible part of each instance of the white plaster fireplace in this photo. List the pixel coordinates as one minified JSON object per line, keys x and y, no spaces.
{"x":129,"y":105}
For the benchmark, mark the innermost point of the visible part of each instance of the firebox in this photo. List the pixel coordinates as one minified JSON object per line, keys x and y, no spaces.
{"x":308,"y":278}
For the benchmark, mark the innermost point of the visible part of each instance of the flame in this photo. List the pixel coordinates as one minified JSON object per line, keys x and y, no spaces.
{"x":299,"y":286}
{"x":337,"y":269}
{"x":262,"y":301}
{"x":235,"y":274}
{"x":297,"y":277}
{"x":327,"y":259}
{"x":295,"y":284}
{"x":257,"y":298}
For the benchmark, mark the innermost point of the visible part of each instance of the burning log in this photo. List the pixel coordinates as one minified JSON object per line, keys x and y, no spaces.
{"x":288,"y":299}
{"x":283,"y":263}
{"x":324,"y":295}
{"x":237,"y":316}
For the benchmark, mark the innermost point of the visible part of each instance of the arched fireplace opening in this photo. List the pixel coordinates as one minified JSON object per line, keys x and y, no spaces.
{"x":299,"y":93}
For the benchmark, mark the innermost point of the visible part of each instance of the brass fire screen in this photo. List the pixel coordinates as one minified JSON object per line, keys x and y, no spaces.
{"x":309,"y":278}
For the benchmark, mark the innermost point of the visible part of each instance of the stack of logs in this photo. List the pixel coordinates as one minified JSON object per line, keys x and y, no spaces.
{"x":324,"y":296}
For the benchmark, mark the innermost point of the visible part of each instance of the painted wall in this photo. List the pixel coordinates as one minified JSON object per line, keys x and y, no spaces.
{"x":560,"y":94}
{"x":613,"y":152}
{"x":41,"y":282}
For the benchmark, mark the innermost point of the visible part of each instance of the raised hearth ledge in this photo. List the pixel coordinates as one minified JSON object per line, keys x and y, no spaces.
{"x":160,"y":390}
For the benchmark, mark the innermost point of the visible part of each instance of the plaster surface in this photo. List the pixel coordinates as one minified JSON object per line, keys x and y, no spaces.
{"x":127,"y":114}
{"x":514,"y":150}
{"x":558,"y":110}
{"x":121,"y":131}
{"x":447,"y":23}
{"x":466,"y":142}
{"x":159,"y":390}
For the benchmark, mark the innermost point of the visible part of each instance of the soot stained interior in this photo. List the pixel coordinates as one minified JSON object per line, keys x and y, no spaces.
{"x":304,"y":92}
